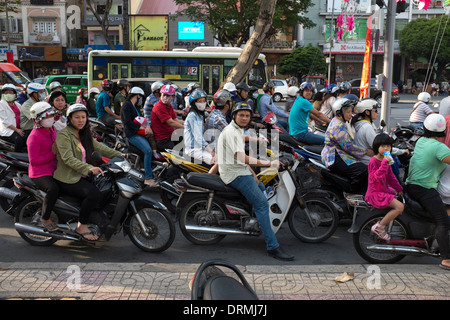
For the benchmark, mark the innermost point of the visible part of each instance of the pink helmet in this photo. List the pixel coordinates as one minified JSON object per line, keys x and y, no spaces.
{"x":168,"y":90}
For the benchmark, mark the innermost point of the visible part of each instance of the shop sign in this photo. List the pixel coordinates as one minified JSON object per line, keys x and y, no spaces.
{"x":48,"y":53}
{"x":149,"y":32}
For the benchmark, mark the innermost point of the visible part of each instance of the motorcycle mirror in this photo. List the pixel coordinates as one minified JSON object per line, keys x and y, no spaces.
{"x":96,"y":156}
{"x":382,"y":123}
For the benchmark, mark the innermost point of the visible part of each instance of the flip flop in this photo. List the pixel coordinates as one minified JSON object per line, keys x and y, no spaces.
{"x":82,"y":236}
{"x":444,"y":267}
{"x":50,"y":227}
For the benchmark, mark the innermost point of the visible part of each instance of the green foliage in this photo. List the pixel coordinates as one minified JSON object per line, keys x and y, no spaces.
{"x":303,"y":61}
{"x":417,"y":40}
{"x":12,"y":5}
{"x":231,"y":20}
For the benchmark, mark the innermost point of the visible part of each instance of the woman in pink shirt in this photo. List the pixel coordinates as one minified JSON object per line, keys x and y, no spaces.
{"x":42,"y":159}
{"x":383,"y":184}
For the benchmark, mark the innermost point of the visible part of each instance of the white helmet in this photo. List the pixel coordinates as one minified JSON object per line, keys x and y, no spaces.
{"x":340,"y":104}
{"x":35,"y":87}
{"x":54,"y":85}
{"x":292,"y":91}
{"x":424,"y":97}
{"x":444,"y":106}
{"x":94,"y":90}
{"x":9,"y":86}
{"x":435,"y":123}
{"x":229,"y":86}
{"x":366,"y":104}
{"x":157,"y":85}
{"x":76,"y":107}
{"x":137,"y":90}
{"x":41,"y":110}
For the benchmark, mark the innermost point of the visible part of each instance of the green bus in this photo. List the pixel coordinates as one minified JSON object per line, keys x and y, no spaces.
{"x":208,"y":66}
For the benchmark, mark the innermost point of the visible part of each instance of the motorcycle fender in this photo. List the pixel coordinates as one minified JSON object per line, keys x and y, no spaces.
{"x":144,"y":200}
{"x":322,"y":194}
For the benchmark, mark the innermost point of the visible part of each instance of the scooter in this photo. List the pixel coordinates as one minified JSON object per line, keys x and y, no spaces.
{"x":208,"y":209}
{"x":122,"y":205}
{"x":412,"y":233}
{"x":211,"y":283}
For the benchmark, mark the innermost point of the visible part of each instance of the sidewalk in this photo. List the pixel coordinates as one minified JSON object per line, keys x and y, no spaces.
{"x":140,"y":281}
{"x":412,"y":98}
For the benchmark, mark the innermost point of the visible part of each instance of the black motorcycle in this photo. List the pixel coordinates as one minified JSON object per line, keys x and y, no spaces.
{"x":412,"y":233}
{"x":211,"y":283}
{"x":121,"y":206}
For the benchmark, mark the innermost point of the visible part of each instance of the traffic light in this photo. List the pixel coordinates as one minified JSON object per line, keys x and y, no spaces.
{"x":401,"y":6}
{"x":380,"y":3}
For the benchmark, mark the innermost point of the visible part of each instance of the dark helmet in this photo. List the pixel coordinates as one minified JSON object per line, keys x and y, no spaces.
{"x":267,"y":86}
{"x":122,"y":83}
{"x":241,"y":106}
{"x":242,"y":86}
{"x":352,"y":97}
{"x":221,"y":98}
{"x":107,"y":84}
{"x":345,"y":86}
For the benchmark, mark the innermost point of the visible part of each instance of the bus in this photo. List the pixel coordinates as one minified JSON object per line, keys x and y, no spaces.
{"x":9,"y":73}
{"x":207,"y":66}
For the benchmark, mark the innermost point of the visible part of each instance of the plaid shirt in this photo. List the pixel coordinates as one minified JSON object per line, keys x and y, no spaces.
{"x":214,"y":125}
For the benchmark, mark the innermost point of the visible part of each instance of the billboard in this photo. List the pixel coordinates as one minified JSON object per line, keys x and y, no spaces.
{"x":191,"y":30}
{"x":149,"y":33}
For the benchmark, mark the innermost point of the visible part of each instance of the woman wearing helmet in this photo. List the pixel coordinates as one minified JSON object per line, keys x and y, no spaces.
{"x":328,"y":100}
{"x":430,"y":159}
{"x":420,"y":110}
{"x":58,"y":101}
{"x":195,"y":143}
{"x":74,"y":148}
{"x":43,"y":160}
{"x":10,"y":118}
{"x":132,"y":124}
{"x":82,"y":96}
{"x":93,"y":95}
{"x":164,"y":120}
{"x":235,"y":171}
{"x":340,"y":154}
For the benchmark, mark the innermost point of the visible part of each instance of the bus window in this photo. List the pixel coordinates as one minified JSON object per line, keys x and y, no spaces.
{"x":257,"y":75}
{"x":181,"y":69}
{"x":228,"y":64}
{"x":100,"y":68}
{"x":146,"y":68}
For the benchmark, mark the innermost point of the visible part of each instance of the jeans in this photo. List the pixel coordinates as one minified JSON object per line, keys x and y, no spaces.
{"x":253,"y":192}
{"x":416,"y":125}
{"x":142,"y":144}
{"x":284,"y":125}
{"x":310,"y":138}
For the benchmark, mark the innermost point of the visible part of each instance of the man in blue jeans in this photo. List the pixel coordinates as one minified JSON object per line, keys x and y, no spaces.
{"x":235,"y":171}
{"x":301,"y":110}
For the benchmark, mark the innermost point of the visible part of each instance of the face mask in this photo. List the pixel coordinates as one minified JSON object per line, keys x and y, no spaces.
{"x":255,"y":96}
{"x":139,"y":102}
{"x":47,"y":123}
{"x":42,"y":96}
{"x":9,"y":97}
{"x":96,"y":96}
{"x":201,"y":106}
{"x":85,"y":95}
{"x":167,"y":99}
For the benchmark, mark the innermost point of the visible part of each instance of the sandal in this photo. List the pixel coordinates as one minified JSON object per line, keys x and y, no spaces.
{"x":379,"y":230}
{"x":51,"y":227}
{"x":89,"y":233}
{"x":152,"y":184}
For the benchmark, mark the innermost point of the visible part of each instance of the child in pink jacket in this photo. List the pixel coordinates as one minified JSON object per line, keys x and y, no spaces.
{"x":383,"y":185}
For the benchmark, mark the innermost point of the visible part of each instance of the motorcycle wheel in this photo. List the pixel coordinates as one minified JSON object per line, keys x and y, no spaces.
{"x":29,"y":212}
{"x":5,"y":203}
{"x":365,"y":238}
{"x":159,"y":232}
{"x":322,"y":225}
{"x":194,"y":213}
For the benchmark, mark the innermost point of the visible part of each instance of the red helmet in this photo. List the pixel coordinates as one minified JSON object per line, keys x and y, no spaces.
{"x":107,"y":84}
{"x":81,"y":91}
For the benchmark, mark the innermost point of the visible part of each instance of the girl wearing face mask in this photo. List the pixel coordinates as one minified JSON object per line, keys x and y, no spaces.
{"x":82,"y":96}
{"x":58,"y":101}
{"x":194,"y":129}
{"x":43,"y":160}
{"x":10,"y":118}
{"x":130,"y":116}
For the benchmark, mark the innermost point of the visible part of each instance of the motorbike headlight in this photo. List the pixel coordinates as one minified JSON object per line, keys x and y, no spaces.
{"x":124,"y":165}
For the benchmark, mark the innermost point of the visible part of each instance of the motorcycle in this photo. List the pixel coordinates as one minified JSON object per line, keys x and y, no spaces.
{"x":208,"y":209}
{"x":10,"y":164}
{"x":412,"y":233}
{"x":121,"y":206}
{"x":103,"y":132}
{"x":211,"y":283}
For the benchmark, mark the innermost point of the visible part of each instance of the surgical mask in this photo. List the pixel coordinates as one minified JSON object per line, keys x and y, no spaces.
{"x":85,"y":95}
{"x":9,"y":97}
{"x":139,"y":102}
{"x":201,"y":106}
{"x":42,"y":96}
{"x":47,"y":123}
{"x":167,"y":99}
{"x":255,"y":96}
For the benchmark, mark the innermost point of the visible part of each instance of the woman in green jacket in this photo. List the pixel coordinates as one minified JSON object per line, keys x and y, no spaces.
{"x":74,"y":148}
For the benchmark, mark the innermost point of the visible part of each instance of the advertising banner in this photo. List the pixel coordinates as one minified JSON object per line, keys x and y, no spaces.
{"x":149,"y":33}
{"x":366,"y":66}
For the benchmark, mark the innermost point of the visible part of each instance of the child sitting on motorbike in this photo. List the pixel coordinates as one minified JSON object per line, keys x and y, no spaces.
{"x":383,"y":184}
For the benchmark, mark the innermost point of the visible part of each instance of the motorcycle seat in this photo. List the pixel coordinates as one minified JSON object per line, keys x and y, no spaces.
{"x":343,"y":182}
{"x":313,"y":149}
{"x":211,"y":181}
{"x":226,"y":288}
{"x":415,"y":208}
{"x":18,"y":156}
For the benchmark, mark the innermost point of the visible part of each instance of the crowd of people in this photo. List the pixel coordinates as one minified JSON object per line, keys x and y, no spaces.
{"x":213,"y":134}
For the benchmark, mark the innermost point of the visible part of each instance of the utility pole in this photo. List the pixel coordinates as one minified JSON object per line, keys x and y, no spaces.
{"x":388,"y":62}
{"x":331,"y":43}
{"x":7,"y":26}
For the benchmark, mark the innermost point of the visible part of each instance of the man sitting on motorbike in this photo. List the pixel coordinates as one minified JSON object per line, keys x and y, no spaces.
{"x":299,"y":117}
{"x":428,"y":162}
{"x":340,"y":154}
{"x":235,"y":171}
